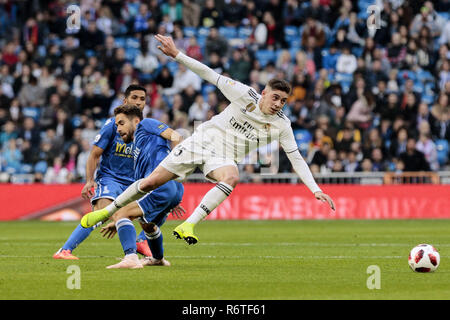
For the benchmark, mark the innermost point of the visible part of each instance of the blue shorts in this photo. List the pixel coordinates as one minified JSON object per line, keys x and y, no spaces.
{"x":157,"y":204}
{"x":108,"y":188}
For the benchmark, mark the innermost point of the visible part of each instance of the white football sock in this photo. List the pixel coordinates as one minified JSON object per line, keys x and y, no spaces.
{"x":210,"y":201}
{"x":132,"y":193}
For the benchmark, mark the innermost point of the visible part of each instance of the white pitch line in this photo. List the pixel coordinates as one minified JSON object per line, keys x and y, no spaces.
{"x":230,"y":257}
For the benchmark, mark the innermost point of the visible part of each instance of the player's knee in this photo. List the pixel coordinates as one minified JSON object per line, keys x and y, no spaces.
{"x":121,"y":214}
{"x":148,"y":184}
{"x":149,"y":227}
{"x":232,"y":180}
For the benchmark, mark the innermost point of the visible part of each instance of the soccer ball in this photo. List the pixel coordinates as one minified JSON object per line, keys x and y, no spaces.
{"x":424,"y":258}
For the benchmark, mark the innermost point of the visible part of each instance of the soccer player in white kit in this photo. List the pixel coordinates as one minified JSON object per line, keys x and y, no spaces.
{"x":250,"y":121}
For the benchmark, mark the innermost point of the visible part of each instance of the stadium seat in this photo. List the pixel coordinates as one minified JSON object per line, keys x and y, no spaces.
{"x":228,"y":32}
{"x":303,"y":138}
{"x":442,"y":148}
{"x":131,"y":53}
{"x":291,"y":33}
{"x":202,"y":32}
{"x":119,"y":42}
{"x":172,"y":66}
{"x":265,"y":56}
{"x":244,"y":32}
{"x":132,"y":43}
{"x":190,"y":32}
{"x":345,"y":80}
{"x":32,"y":112}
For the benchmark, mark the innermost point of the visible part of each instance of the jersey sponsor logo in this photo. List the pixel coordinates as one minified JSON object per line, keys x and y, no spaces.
{"x":97,"y":138}
{"x":245,"y":129}
{"x":161,"y":126}
{"x":123,"y":151}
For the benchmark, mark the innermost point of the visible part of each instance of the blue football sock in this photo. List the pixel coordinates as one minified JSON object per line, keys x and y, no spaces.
{"x":78,"y":235}
{"x":127,"y":235}
{"x":155,"y":242}
{"x":141,"y":236}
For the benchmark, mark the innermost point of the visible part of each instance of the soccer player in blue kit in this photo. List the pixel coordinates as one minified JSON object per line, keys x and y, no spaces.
{"x":151,"y":145}
{"x":113,"y":159}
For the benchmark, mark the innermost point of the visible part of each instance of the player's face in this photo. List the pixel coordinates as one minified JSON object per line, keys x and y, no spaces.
{"x":136,"y":97}
{"x":125,"y":127}
{"x":272,"y":101}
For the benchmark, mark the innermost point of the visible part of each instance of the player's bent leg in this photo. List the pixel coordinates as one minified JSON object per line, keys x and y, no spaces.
{"x":79,"y":234}
{"x":133,"y":211}
{"x":228,"y":178}
{"x":127,"y":236}
{"x":155,"y":241}
{"x":134,"y":192}
{"x":157,"y":178}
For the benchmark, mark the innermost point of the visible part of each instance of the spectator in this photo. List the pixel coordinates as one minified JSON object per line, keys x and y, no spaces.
{"x":240,"y":66}
{"x":30,"y":132}
{"x":346,"y":63}
{"x":413,"y":159}
{"x":183,"y":79}
{"x":9,"y":131}
{"x":216,"y":43}
{"x":398,"y":146}
{"x":199,"y":109}
{"x":145,"y":62}
{"x":378,"y":164}
{"x":427,"y":146}
{"x":31,"y":94}
{"x":82,"y":159}
{"x":194,"y":50}
{"x":210,"y":16}
{"x":173,"y":9}
{"x":12,"y":157}
{"x":313,"y":29}
{"x":191,"y":13}
{"x":56,"y":173}
{"x":233,"y":13}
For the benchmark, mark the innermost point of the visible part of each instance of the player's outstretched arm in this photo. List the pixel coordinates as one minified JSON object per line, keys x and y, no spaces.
{"x":172,"y":135}
{"x":300,"y":166}
{"x":169,"y":48}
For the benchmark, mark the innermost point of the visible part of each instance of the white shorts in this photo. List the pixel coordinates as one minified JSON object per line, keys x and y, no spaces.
{"x":182,"y":161}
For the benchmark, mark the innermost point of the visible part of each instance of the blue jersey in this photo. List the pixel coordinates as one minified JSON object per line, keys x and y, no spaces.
{"x":117,"y":161}
{"x":149,"y":147}
{"x":149,"y":150}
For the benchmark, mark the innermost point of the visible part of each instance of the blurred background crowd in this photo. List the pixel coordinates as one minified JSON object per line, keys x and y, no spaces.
{"x":364,"y":99}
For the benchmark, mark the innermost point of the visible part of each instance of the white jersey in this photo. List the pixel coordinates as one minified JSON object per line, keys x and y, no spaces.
{"x":235,"y":132}
{"x":241,"y":127}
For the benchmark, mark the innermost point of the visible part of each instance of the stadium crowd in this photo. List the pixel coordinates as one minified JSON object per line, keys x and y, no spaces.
{"x":363,"y":99}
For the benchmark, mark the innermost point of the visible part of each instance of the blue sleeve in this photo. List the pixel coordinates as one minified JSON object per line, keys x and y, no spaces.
{"x":161,"y":154}
{"x":153,"y":126}
{"x":106,"y":134}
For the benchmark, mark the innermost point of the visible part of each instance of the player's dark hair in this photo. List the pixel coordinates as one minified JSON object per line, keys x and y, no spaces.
{"x":129,"y":110}
{"x":134,"y":87}
{"x":282,"y":85}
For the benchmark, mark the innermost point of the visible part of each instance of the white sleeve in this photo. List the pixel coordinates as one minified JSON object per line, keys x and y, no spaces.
{"x":231,"y":89}
{"x":289,"y":145}
{"x":199,"y":68}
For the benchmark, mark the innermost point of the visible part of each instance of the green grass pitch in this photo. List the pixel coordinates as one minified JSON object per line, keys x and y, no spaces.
{"x":234,"y":260}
